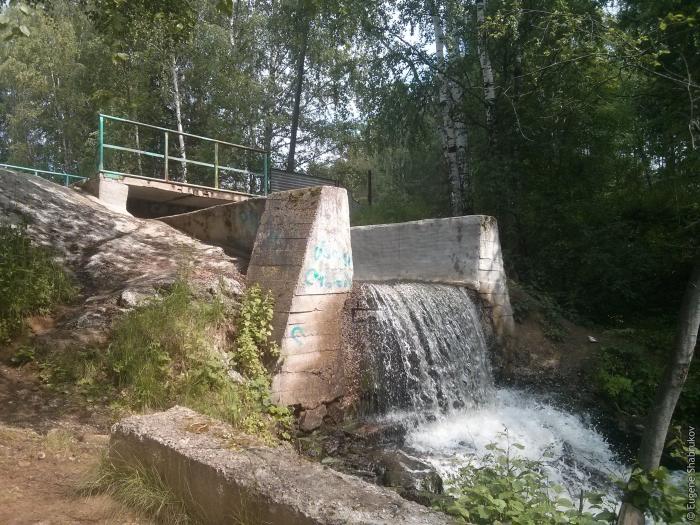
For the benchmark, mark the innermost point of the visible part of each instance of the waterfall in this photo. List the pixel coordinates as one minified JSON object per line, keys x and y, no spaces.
{"x":429,"y":370}
{"x":429,"y":351}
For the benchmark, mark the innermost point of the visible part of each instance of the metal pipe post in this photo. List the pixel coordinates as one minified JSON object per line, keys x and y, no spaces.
{"x":165,"y":155}
{"x":216,"y":165}
{"x":101,"y":145}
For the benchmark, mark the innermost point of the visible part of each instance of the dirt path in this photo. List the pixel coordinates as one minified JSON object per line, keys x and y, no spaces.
{"x":48,"y":446}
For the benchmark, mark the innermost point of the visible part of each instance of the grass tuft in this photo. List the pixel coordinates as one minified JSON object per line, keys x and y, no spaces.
{"x":139,"y":488}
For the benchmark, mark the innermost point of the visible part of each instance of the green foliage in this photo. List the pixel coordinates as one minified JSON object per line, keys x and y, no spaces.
{"x":628,"y":372}
{"x":506,"y":488}
{"x":23,"y":355}
{"x":253,"y":330}
{"x":654,"y":493}
{"x":31,"y":280}
{"x":162,"y":353}
{"x":139,"y":488}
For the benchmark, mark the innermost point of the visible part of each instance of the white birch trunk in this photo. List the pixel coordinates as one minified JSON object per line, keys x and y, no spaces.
{"x":178,"y":116}
{"x":486,"y":70}
{"x":447,"y":130}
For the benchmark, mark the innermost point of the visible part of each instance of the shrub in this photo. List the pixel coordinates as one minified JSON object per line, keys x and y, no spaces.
{"x":253,"y":347}
{"x":505,"y":488}
{"x":31,"y":281}
{"x":628,"y":371}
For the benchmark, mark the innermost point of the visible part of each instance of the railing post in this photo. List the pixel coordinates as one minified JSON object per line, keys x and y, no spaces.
{"x":216,"y":165}
{"x":67,"y":180}
{"x":101,"y":152}
{"x":266,"y":174}
{"x":165,"y":155}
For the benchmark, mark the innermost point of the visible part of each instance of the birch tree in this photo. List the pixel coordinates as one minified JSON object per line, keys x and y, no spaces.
{"x":175,"y":74}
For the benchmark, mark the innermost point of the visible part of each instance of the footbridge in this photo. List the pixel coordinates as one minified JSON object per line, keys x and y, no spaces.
{"x":152,"y":171}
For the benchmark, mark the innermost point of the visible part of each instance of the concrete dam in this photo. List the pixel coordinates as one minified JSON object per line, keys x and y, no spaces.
{"x":300,"y":246}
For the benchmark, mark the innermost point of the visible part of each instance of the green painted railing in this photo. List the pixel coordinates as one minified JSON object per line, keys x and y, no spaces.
{"x":54,"y":176}
{"x":218,"y":169}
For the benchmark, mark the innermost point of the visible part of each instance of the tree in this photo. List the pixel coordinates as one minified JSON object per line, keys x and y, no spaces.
{"x":668,"y":392}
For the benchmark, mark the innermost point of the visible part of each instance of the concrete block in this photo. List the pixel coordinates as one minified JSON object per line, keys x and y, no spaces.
{"x":303,"y":254}
{"x":113,"y":193}
{"x":250,"y":482}
{"x":463,"y":251}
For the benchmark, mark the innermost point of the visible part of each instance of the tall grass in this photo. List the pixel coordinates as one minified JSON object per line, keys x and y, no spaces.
{"x":31,"y":281}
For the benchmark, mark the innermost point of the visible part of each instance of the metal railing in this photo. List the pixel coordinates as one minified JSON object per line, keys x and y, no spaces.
{"x":220,"y":170}
{"x":63,"y":178}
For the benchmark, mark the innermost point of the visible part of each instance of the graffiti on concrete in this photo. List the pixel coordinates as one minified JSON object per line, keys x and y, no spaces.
{"x":297,"y":332}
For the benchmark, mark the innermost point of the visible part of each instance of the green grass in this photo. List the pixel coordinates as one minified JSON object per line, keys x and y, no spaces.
{"x":163,"y":353}
{"x":31,"y":281}
{"x":139,"y":488}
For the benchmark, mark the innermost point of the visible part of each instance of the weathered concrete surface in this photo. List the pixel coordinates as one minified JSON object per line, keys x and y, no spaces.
{"x":112,"y":193}
{"x":136,"y":193}
{"x":232,"y":226}
{"x":303,"y":255}
{"x":458,"y":250}
{"x":226,"y":479}
{"x":116,"y":257}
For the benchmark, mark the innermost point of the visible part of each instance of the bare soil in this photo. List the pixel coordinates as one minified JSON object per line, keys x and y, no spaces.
{"x":49,"y":445}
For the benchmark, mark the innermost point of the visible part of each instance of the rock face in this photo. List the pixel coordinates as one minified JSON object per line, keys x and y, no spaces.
{"x":226,"y":479}
{"x":119,"y":260}
{"x":302,"y":254}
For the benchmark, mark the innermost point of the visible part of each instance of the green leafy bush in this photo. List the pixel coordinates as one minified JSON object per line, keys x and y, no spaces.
{"x":505,"y":488}
{"x":629,"y":370}
{"x":253,"y":329}
{"x":31,"y":281}
{"x":653,"y":492}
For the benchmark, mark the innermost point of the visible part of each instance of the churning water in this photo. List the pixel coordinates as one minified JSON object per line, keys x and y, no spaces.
{"x":433,"y":374}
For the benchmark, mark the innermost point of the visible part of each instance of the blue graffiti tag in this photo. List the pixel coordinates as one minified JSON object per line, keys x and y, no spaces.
{"x":297,"y":332}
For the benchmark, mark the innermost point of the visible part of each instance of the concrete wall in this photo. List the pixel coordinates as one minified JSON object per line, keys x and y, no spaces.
{"x":458,"y":250}
{"x":231,"y":226}
{"x":303,"y":255}
{"x":224,"y":477}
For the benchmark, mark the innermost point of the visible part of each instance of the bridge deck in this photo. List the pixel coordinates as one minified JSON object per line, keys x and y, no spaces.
{"x":180,"y":193}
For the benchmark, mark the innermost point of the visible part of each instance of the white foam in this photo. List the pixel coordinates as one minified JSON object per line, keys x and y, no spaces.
{"x":577,"y":455}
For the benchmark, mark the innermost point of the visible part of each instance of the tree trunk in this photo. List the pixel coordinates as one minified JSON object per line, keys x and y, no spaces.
{"x":669,"y":390}
{"x":447,"y":130}
{"x":232,"y":24}
{"x":486,"y":71}
{"x":178,"y":116}
{"x":301,"y":58}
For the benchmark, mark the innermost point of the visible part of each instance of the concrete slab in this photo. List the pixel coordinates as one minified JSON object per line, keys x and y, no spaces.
{"x":224,"y":478}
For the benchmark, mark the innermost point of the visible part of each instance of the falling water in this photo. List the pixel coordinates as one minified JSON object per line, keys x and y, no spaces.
{"x":432,"y":374}
{"x":429,"y":350}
